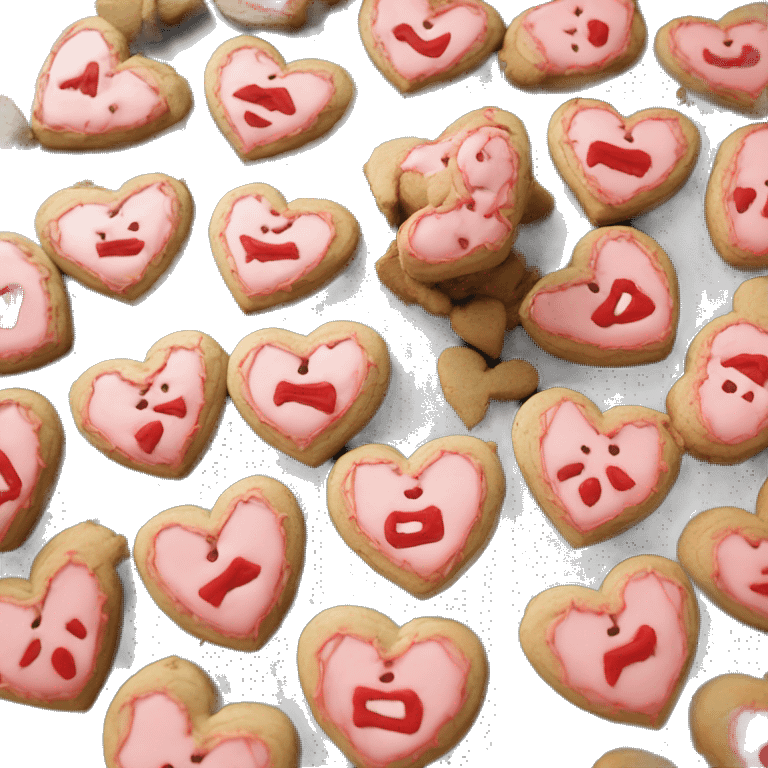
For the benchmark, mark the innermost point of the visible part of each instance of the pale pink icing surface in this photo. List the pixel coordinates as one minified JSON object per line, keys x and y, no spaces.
{"x":72,"y":593}
{"x":160,"y":734}
{"x":112,"y":408}
{"x":309,"y":91}
{"x":466,"y":24}
{"x":151,"y":213}
{"x":253,"y":531}
{"x":251,"y":215}
{"x":738,"y":565}
{"x":661,"y":138}
{"x":565,"y":431}
{"x":435,"y":670}
{"x":731,"y":416}
{"x":122,"y":100}
{"x":567,"y":309}
{"x":344,"y":366}
{"x":564,"y":38}
{"x":748,"y":735}
{"x":580,"y":641}
{"x":689,"y":40}
{"x":451,"y":482}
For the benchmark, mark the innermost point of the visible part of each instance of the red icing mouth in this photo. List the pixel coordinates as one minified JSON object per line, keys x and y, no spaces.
{"x":590,"y":491}
{"x":149,"y":436}
{"x":639,"y":307}
{"x":641,"y":647}
{"x":128,"y":247}
{"x":273,"y":99}
{"x":11,"y":479}
{"x":432,"y":529}
{"x":64,"y":663}
{"x":749,"y":57}
{"x":754,"y":367}
{"x":320,"y":395}
{"x":257,"y":250}
{"x":634,"y":162}
{"x":362,"y":717}
{"x":238,"y":573}
{"x":433,"y":49}
{"x":87,"y":83}
{"x":175,"y":407}
{"x":597,"y":32}
{"x":743,"y":197}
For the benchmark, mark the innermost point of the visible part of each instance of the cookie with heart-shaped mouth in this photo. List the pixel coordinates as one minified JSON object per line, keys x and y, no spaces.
{"x":616,"y":166}
{"x":632,"y":758}
{"x":59,"y":629}
{"x":156,"y":416}
{"x":270,"y":251}
{"x":35,"y":318}
{"x":594,"y":475}
{"x":726,"y":60}
{"x":227,"y":575}
{"x":414,"y":43}
{"x":621,"y":652}
{"x":391,"y":696}
{"x":118,"y":243}
{"x":264,"y":106}
{"x":307,"y":395}
{"x":616,"y":303}
{"x":166,"y":715}
{"x":129,"y":16}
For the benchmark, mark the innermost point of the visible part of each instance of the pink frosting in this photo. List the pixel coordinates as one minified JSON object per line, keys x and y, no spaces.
{"x":401,"y":29}
{"x":696,"y":45}
{"x":161,"y":734}
{"x":116,"y":408}
{"x":660,"y":140}
{"x":582,"y":637}
{"x":434,"y":670}
{"x":748,"y":736}
{"x":567,"y":40}
{"x":568,"y":309}
{"x":115,"y":101}
{"x":296,"y":100}
{"x":741,"y":571}
{"x":52,"y":658}
{"x":252,"y":216}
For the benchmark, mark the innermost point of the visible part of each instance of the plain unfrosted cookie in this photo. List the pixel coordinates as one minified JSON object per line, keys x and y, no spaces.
{"x":632,"y":758}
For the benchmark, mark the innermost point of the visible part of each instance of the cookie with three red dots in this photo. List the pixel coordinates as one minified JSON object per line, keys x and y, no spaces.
{"x":270,"y":251}
{"x":307,"y":395}
{"x":226,"y":575}
{"x":391,"y":696}
{"x":156,"y":416}
{"x":59,"y":629}
{"x":129,"y":16}
{"x":265,"y":106}
{"x":167,"y":714}
{"x":118,"y":243}
{"x":616,"y":166}
{"x":623,"y":651}
{"x":616,"y":303}
{"x":562,"y":44}
{"x":726,"y":60}
{"x":414,"y":43}
{"x":594,"y":475}
{"x":632,"y":758}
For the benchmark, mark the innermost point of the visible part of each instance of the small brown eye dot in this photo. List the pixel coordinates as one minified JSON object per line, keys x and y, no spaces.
{"x":613,"y":449}
{"x":613,"y":631}
{"x":729,"y":387}
{"x":134,"y":226}
{"x":141,"y":405}
{"x":585,"y":449}
{"x":164,"y":388}
{"x":594,"y":287}
{"x":387,"y":677}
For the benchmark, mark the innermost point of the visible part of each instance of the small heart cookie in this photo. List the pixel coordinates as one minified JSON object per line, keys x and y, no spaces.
{"x":619,"y":167}
{"x":390,"y":696}
{"x":419,"y":42}
{"x":165,"y":715}
{"x":621,"y":652}
{"x":129,"y":16}
{"x":264,"y":106}
{"x":227,"y":575}
{"x":418,"y":521}
{"x":632,"y":758}
{"x":59,"y":630}
{"x":156,"y":416}
{"x":481,"y":322}
{"x":726,"y":59}
{"x":616,"y":303}
{"x":269,"y":251}
{"x":307,"y":395}
{"x":594,"y":475}
{"x":118,"y":243}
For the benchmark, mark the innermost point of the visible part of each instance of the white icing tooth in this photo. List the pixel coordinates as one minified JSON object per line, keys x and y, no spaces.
{"x":412,"y":526}
{"x":387,"y":708}
{"x":749,"y":733}
{"x":622,"y":303}
{"x":10,"y":306}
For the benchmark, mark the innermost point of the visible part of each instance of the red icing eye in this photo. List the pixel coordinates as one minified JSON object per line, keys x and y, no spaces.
{"x":590,"y":491}
{"x":76,"y":628}
{"x":463,"y":243}
{"x":479,"y":157}
{"x":64,"y":663}
{"x":729,"y":387}
{"x":748,"y":396}
{"x":597,"y":32}
{"x":743,"y":197}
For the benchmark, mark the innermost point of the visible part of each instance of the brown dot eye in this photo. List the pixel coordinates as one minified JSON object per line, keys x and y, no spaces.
{"x":141,"y":405}
{"x":213,"y":555}
{"x":134,"y":226}
{"x":613,"y":449}
{"x":427,"y":24}
{"x":36,"y":623}
{"x":303,"y":368}
{"x":387,"y":677}
{"x":613,"y":631}
{"x":265,"y":229}
{"x":271,"y":77}
{"x":594,"y":287}
{"x":578,"y":11}
{"x":575,"y":48}
{"x":729,"y":387}
{"x":102,"y":235}
{"x":164,"y":388}
{"x":585,"y":449}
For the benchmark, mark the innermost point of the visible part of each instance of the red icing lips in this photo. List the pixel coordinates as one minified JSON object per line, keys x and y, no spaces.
{"x":10,"y":478}
{"x":749,"y":57}
{"x":432,"y":529}
{"x":639,"y":307}
{"x":128,"y":247}
{"x":634,"y":162}
{"x":363,"y":717}
{"x":639,"y":648}
{"x":237,"y":574}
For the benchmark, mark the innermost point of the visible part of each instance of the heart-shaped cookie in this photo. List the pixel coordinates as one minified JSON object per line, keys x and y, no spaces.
{"x":35,"y":318}
{"x":156,"y":416}
{"x":632,"y":758}
{"x":594,"y":475}
{"x":264,"y":106}
{"x":129,"y":16}
{"x":725,"y":59}
{"x":616,"y":303}
{"x":307,"y":395}
{"x":419,"y":42}
{"x":269,"y":251}
{"x":619,"y":167}
{"x":59,"y":629}
{"x":92,"y":93}
{"x":227,"y":575}
{"x":418,"y":521}
{"x":280,"y":14}
{"x":481,"y":322}
{"x":391,"y":696}
{"x":621,"y":652}
{"x":165,"y":715}
{"x":118,"y":243}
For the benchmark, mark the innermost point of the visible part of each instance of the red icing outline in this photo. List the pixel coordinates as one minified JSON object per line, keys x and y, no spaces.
{"x":432,"y":49}
{"x":634,"y":162}
{"x":432,"y":527}
{"x":362,"y":717}
{"x":641,"y":647}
